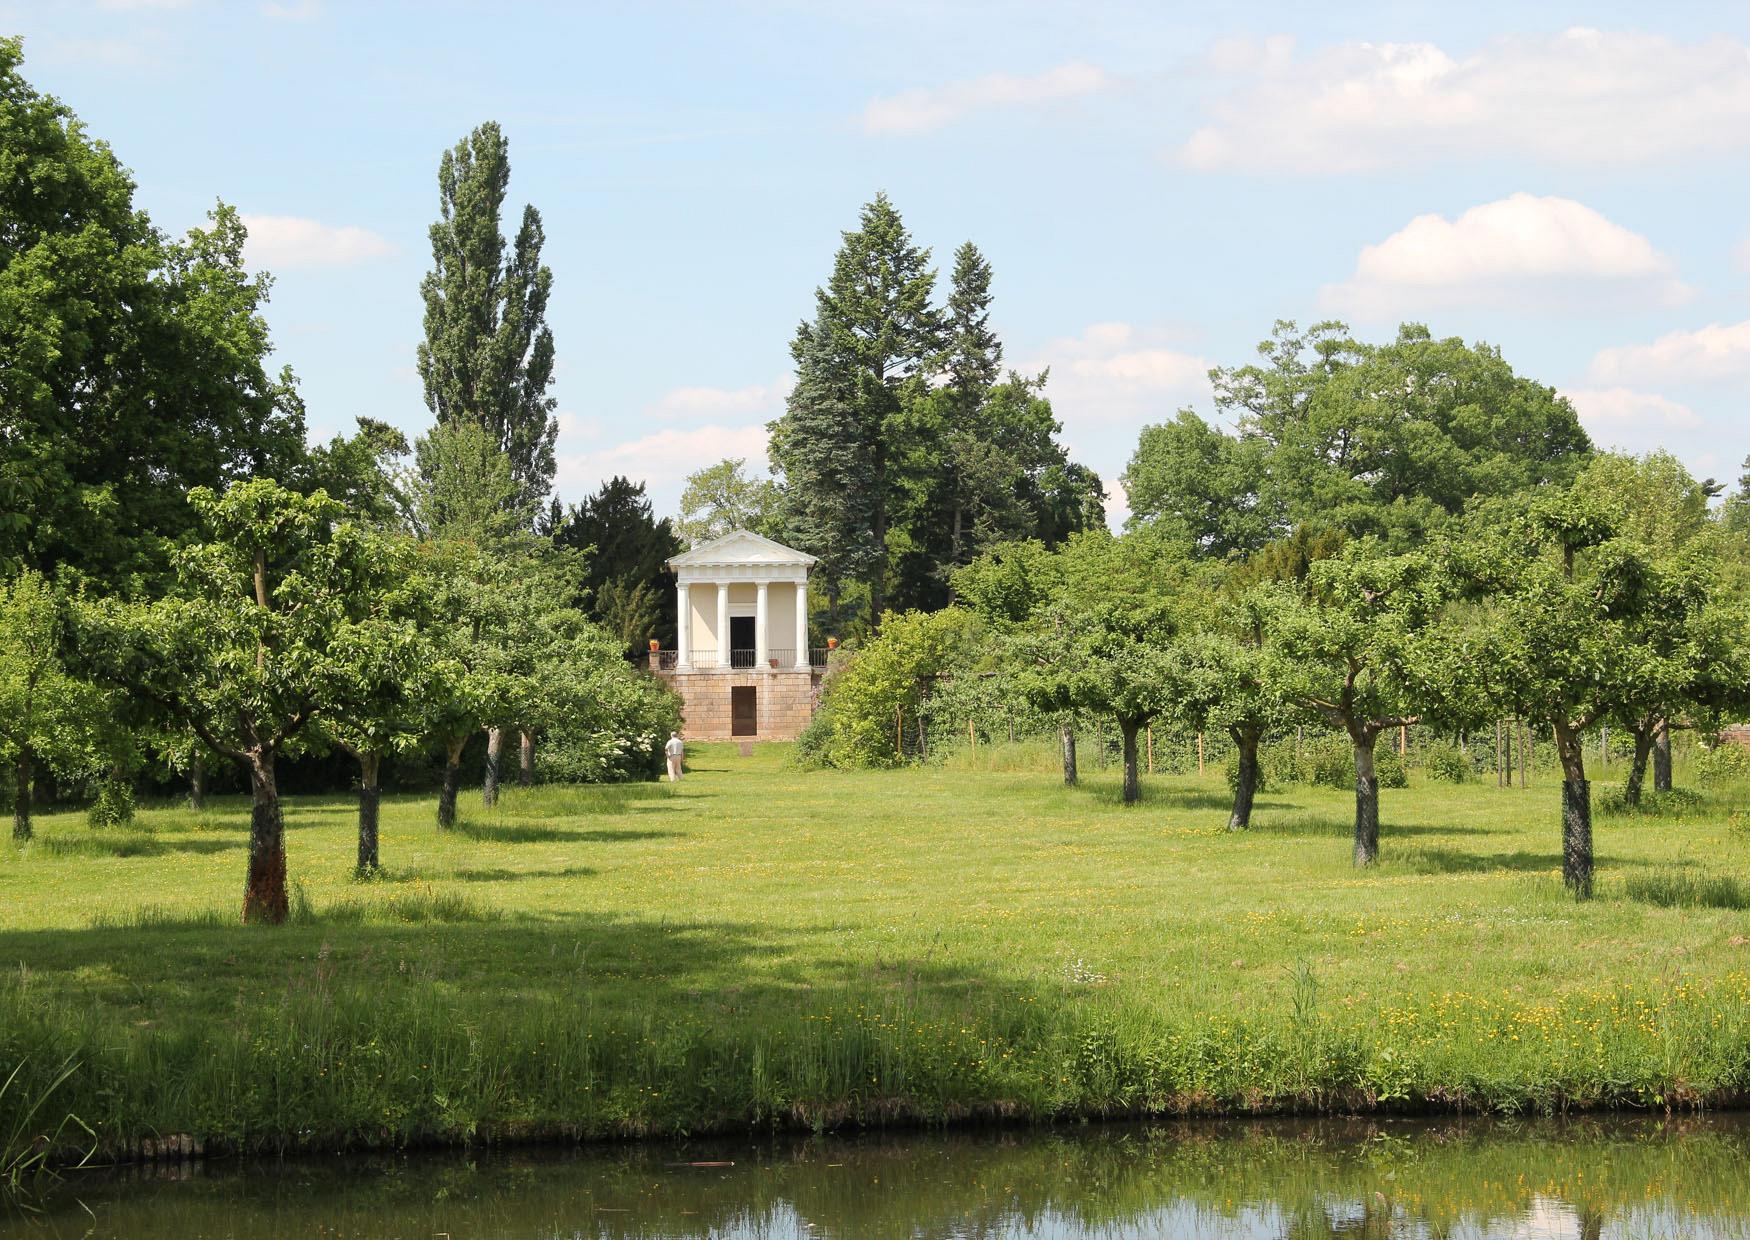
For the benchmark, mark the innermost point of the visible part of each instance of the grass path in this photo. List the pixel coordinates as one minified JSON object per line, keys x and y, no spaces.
{"x":765,"y":945}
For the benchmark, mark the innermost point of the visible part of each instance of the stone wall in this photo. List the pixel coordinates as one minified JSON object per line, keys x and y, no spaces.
{"x":785,"y":700}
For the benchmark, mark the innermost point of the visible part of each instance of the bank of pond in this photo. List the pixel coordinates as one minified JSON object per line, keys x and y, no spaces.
{"x":1617,"y":1177}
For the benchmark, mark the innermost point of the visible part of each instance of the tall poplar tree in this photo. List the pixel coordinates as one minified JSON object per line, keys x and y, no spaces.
{"x":487,"y":356}
{"x":874,"y":333}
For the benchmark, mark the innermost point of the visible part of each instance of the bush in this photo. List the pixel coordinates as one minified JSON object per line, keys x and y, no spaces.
{"x":114,"y":805}
{"x":1723,"y":764}
{"x":1389,"y":768}
{"x":1447,"y":763}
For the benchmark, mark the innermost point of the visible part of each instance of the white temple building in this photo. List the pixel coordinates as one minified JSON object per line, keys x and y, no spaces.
{"x":742,"y":662}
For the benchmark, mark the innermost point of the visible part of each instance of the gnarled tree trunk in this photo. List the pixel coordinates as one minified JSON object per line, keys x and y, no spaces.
{"x":494,"y":750}
{"x":1576,"y":813}
{"x":1132,"y":788}
{"x":264,"y":895}
{"x":446,"y":809}
{"x":525,"y":775}
{"x":1066,"y":738}
{"x":21,"y":790}
{"x":370,"y":795}
{"x":1662,"y":757}
{"x":1637,"y":771}
{"x":1366,"y":797}
{"x":197,"y":782}
{"x":1246,"y":787}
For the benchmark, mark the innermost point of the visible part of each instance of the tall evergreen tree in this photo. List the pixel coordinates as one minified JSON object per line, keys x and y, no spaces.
{"x":874,"y":334}
{"x":487,"y":356}
{"x":626,"y":574}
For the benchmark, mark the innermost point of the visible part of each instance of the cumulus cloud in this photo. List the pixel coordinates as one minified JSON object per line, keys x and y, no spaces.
{"x":916,"y":111}
{"x":1605,"y":410}
{"x":711,"y":402}
{"x":1719,"y":351}
{"x":1115,"y":374}
{"x":661,"y":461}
{"x":1578,"y":97}
{"x":1519,"y":250}
{"x":286,"y":241}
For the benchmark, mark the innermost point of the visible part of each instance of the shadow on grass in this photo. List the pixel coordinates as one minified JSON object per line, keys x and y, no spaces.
{"x":501,"y":875}
{"x":523,"y":833}
{"x":100,"y":843}
{"x":1420,"y":859}
{"x":1320,"y":826}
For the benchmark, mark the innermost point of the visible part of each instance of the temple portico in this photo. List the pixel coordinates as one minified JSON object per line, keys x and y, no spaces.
{"x":742,"y":663}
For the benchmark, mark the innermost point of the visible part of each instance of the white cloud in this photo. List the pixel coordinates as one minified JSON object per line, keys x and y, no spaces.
{"x":1606,"y":411}
{"x":284,"y":241}
{"x":661,"y":461}
{"x":1114,"y":374}
{"x":1579,"y":97}
{"x":1516,"y":251}
{"x":915,"y":111}
{"x":1719,"y":351}
{"x":757,"y":398}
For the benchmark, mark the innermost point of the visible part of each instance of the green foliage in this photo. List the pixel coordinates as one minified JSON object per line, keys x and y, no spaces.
{"x":1389,"y":440}
{"x":1724,"y":763}
{"x":866,"y":699}
{"x":487,"y":357}
{"x":132,"y":365}
{"x":724,"y":497}
{"x":1446,"y":762}
{"x":625,"y":575}
{"x":113,"y":806}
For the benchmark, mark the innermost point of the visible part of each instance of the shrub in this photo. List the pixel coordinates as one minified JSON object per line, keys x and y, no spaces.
{"x":1389,"y":768}
{"x":1723,"y":764}
{"x":114,"y":805}
{"x":1232,"y":771}
{"x":1447,"y":763}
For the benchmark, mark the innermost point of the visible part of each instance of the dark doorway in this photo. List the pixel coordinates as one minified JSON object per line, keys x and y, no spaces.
{"x":744,"y":710}
{"x":741,"y":639}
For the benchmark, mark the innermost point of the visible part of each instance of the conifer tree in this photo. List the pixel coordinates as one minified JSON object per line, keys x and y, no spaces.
{"x":487,"y":356}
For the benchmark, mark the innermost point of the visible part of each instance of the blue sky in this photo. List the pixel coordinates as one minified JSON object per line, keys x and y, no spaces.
{"x":1154,"y":185}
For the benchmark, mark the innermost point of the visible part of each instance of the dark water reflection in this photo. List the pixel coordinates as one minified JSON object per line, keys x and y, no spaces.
{"x":1583,"y":1179}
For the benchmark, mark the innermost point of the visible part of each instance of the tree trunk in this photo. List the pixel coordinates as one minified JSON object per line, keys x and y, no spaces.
{"x":1366,"y":799}
{"x":1246,"y":787}
{"x":1576,"y":813}
{"x":1067,"y":739}
{"x":21,"y":790}
{"x":525,"y":775}
{"x":1132,"y":789}
{"x":446,"y":814}
{"x":369,"y":795}
{"x":1637,"y":771}
{"x":197,"y":782}
{"x":494,"y":750}
{"x":264,"y":895}
{"x":1662,"y":757}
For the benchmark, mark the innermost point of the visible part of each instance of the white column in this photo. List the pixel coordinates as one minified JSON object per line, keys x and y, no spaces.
{"x":722,"y":624}
{"x":684,"y":626}
{"x":802,"y":624}
{"x":760,"y":646}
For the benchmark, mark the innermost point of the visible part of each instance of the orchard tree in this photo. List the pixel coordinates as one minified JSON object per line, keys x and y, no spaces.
{"x":724,"y":497}
{"x":1232,"y":685}
{"x":251,"y":650}
{"x":1589,"y":624}
{"x":1359,"y":644}
{"x":487,"y":357}
{"x":47,"y":716}
{"x":1105,"y":642}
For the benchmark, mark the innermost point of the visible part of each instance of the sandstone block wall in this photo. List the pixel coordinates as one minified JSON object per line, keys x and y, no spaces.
{"x":785,"y":700}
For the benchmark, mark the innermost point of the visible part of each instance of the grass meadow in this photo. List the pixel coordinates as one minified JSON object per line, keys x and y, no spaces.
{"x":763,"y":946}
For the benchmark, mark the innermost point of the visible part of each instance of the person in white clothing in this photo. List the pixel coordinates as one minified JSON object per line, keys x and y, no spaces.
{"x":675,"y":750}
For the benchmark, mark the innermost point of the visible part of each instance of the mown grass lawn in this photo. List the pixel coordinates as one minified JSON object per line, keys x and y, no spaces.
{"x":765,"y":945}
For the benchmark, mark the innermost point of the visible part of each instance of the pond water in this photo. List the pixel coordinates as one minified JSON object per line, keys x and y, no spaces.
{"x":1584,"y":1178}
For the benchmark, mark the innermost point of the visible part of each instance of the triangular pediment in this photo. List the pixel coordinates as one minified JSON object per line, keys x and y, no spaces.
{"x":741,"y":547}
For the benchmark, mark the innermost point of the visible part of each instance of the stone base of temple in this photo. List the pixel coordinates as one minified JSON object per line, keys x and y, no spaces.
{"x":760,"y":705}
